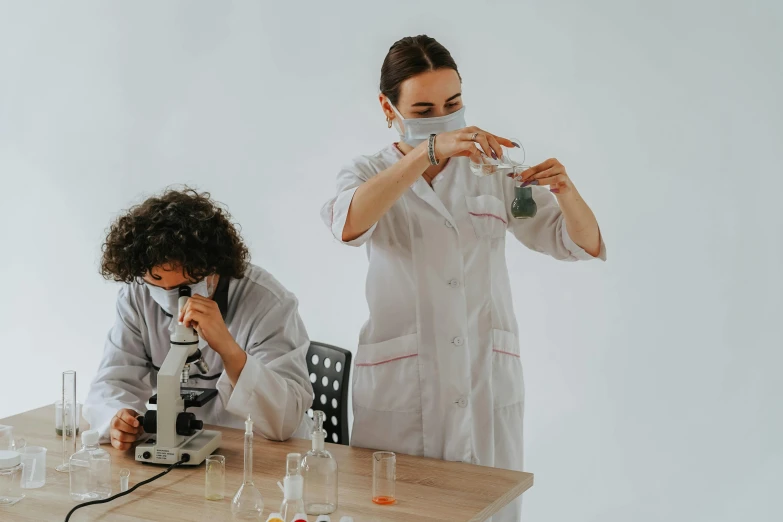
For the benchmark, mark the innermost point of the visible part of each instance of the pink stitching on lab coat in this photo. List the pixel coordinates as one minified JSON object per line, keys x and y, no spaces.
{"x":387,"y":361}
{"x":507,"y":353}
{"x":488,"y":215}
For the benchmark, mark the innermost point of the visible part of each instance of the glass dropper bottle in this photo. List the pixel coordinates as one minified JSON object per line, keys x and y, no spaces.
{"x":247,"y":503}
{"x":319,"y":469}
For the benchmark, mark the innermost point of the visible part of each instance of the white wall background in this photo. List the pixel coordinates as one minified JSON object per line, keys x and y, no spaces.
{"x":653,"y":381}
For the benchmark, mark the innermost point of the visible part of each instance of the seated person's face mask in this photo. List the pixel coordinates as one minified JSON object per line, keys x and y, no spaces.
{"x":169,"y":299}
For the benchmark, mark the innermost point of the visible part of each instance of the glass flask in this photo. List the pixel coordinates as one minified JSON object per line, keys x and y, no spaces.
{"x":523,"y":206}
{"x":247,"y":503}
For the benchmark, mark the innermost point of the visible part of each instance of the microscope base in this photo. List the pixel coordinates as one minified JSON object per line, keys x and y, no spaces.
{"x":198,"y":448}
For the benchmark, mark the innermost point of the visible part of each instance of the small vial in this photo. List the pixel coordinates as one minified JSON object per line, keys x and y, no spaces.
{"x":124,"y":476}
{"x":215,"y":484}
{"x":10,"y":478}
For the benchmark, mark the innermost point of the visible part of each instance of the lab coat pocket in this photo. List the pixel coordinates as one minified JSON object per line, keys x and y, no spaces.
{"x":386,"y":375}
{"x":508,"y":386}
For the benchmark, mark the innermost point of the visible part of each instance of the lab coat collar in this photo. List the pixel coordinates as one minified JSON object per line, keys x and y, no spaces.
{"x":423,"y":189}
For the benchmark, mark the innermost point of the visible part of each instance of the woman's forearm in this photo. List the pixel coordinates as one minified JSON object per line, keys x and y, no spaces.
{"x":580,"y":221}
{"x":376,"y":196}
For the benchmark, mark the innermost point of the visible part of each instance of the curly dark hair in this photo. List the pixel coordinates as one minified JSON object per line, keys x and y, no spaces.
{"x":180,"y":227}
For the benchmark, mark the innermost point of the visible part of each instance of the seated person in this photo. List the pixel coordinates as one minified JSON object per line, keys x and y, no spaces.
{"x":249,"y":329}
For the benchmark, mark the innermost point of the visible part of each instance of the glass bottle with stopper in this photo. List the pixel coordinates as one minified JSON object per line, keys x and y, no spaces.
{"x":247,"y":503}
{"x":292,"y":508}
{"x":319,"y":469}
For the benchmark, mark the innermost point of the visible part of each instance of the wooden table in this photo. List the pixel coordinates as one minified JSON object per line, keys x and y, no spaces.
{"x":427,"y":489}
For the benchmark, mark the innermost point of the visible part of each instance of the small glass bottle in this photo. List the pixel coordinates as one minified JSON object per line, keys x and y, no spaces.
{"x":319,"y":469}
{"x":90,"y":470}
{"x":10,"y":478}
{"x":523,"y":206}
{"x":293,"y":485}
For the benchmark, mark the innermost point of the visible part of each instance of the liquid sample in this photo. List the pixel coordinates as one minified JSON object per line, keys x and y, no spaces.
{"x":523,"y":206}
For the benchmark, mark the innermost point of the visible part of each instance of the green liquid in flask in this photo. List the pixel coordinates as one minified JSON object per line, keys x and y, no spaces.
{"x":524,"y":206}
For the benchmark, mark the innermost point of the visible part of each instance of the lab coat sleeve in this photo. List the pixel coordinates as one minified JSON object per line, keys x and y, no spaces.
{"x":335,"y":211}
{"x":274,"y":386}
{"x":546,"y":232}
{"x":119,"y":382}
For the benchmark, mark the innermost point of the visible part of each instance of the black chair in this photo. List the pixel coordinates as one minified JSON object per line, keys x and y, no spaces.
{"x":330,"y":372}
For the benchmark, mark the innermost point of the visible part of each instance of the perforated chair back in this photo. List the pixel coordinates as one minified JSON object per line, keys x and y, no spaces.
{"x":330,"y":372}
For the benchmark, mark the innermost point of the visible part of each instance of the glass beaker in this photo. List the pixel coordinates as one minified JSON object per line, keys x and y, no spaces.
{"x":34,"y":462}
{"x":484,"y":165}
{"x":10,"y":478}
{"x":7,"y":440}
{"x":215,"y":482}
{"x":384,"y":476}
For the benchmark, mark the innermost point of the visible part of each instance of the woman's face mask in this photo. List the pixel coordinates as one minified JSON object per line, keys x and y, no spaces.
{"x":417,"y":130}
{"x":169,"y":299}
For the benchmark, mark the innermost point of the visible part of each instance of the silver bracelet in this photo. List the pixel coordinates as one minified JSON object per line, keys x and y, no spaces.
{"x":431,"y":150}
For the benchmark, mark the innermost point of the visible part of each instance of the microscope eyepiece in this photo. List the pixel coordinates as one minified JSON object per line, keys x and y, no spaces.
{"x":184,"y":291}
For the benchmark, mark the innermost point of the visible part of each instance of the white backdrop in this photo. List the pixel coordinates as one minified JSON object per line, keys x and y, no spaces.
{"x":653,"y":381}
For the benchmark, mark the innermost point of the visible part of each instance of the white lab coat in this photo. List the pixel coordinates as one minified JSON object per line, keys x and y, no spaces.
{"x":438,"y":370}
{"x":274,"y":386}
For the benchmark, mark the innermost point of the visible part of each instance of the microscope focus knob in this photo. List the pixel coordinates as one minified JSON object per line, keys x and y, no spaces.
{"x":149,"y":421}
{"x":187,"y":424}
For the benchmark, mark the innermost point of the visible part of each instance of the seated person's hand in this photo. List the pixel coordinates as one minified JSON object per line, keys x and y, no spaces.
{"x":125,"y":429}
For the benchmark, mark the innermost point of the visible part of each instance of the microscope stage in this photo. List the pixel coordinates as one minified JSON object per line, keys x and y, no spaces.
{"x":192,"y":397}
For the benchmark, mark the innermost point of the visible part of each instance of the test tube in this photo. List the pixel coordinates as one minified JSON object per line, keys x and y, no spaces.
{"x":124,"y":476}
{"x":384,"y":475}
{"x":215,"y":484}
{"x":68,"y":422}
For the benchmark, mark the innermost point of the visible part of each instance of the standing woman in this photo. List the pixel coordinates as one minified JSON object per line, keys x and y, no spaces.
{"x":437,"y":372}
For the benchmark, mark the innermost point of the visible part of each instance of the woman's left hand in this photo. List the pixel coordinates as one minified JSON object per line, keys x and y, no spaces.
{"x":204,"y":315}
{"x":550,"y":173}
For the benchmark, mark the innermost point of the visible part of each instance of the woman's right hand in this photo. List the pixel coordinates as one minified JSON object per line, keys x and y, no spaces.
{"x":463,"y":142}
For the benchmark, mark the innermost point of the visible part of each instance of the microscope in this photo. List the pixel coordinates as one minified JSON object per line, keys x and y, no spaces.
{"x":178,"y":435}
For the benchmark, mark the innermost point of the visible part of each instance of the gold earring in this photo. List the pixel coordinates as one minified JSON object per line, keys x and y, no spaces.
{"x":388,"y":122}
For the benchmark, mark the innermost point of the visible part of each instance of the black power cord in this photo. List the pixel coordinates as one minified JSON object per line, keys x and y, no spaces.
{"x":122,"y":494}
